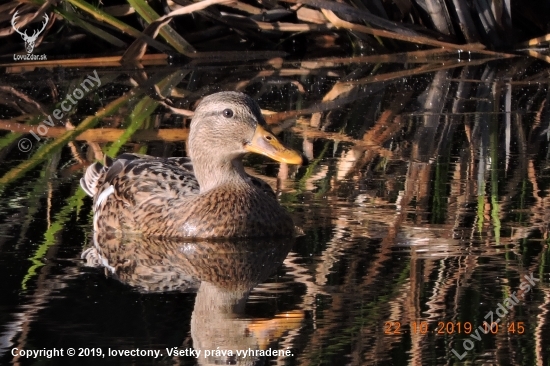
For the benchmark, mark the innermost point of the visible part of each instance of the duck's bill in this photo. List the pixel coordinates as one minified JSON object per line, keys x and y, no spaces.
{"x":263,"y":142}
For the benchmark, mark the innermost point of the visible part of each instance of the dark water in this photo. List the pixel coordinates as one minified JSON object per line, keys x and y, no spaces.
{"x":424,"y":208}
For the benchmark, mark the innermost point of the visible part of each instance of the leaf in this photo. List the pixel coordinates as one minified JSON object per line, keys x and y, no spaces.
{"x":167,"y":32}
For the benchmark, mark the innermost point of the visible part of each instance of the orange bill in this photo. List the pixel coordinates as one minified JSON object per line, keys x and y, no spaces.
{"x":263,"y":142}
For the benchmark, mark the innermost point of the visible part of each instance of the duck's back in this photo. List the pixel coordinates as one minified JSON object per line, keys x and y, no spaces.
{"x":161,"y":197}
{"x":119,"y":186}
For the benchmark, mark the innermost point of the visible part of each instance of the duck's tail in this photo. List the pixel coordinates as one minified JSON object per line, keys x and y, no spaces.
{"x":94,"y":174}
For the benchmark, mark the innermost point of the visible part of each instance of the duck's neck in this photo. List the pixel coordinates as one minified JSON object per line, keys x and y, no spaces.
{"x":213,"y":172}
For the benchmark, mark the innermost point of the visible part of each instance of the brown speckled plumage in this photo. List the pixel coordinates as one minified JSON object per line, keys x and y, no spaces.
{"x":212,"y":197}
{"x":157,"y":264}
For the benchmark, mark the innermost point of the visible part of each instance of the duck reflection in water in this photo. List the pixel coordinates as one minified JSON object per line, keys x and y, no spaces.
{"x":223,"y":272}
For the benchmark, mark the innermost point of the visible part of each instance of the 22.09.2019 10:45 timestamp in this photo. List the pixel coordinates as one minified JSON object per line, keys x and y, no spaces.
{"x":442,"y":328}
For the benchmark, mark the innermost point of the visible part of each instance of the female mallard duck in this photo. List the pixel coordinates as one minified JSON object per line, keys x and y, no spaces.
{"x":209,"y":195}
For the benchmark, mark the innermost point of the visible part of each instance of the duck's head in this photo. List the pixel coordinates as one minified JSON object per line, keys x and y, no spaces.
{"x":225,"y":127}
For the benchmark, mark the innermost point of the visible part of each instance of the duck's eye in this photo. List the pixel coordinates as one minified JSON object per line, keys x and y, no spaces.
{"x":227,"y":113}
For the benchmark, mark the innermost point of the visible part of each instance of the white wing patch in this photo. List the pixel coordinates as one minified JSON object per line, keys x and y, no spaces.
{"x":103,"y":196}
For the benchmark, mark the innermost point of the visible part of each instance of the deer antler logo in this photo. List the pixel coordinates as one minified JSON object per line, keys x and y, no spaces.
{"x":29,"y":40}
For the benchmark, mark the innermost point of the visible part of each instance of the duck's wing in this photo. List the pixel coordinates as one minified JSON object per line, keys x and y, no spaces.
{"x":182,"y":163}
{"x":185,"y":164}
{"x":134,"y":179}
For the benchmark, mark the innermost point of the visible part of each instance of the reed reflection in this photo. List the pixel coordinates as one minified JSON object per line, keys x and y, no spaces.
{"x":222,"y":272}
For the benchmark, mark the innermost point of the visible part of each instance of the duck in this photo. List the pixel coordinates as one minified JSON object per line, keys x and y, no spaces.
{"x":205,"y":195}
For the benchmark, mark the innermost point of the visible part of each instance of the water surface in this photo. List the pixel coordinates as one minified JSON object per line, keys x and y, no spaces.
{"x":424,"y":209}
